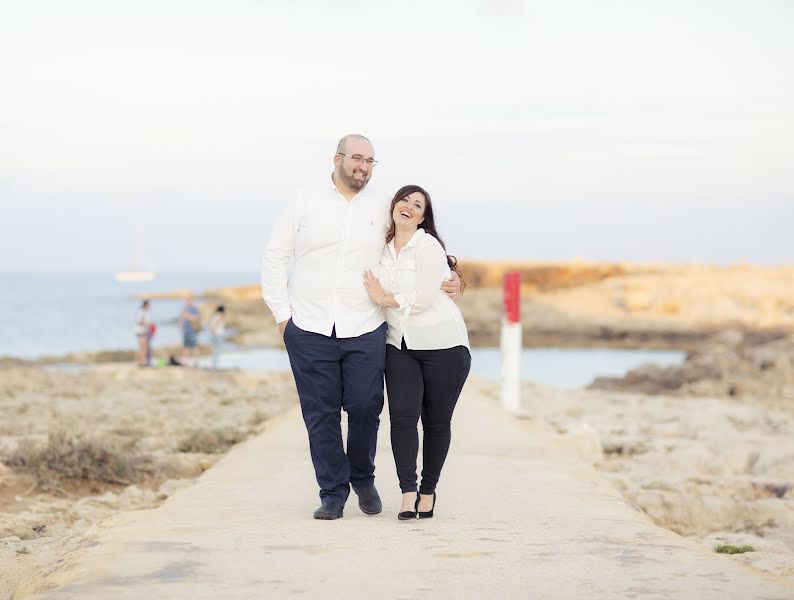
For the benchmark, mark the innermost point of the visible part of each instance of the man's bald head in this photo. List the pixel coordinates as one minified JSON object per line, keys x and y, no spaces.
{"x":353,"y":162}
{"x":341,"y":147}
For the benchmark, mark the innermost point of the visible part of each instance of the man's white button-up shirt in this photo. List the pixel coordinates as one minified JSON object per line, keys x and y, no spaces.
{"x":333,"y":241}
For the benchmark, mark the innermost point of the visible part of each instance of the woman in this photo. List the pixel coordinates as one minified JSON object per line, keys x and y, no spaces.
{"x":143,"y":331}
{"x":427,"y":352}
{"x":217,"y":328}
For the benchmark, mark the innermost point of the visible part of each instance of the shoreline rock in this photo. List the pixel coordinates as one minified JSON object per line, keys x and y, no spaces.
{"x":754,"y":365}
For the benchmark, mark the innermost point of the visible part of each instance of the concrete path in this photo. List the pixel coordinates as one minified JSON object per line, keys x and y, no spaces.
{"x":518,"y":516}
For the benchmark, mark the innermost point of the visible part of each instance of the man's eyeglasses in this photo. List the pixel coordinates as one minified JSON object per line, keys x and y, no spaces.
{"x":358,"y":159}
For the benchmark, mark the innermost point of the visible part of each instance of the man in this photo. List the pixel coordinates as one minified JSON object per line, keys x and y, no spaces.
{"x":189,"y":322}
{"x":334,"y":334}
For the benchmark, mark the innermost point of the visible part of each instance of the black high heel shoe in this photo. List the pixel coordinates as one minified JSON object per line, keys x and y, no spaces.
{"x":426,"y":514}
{"x":409,"y":515}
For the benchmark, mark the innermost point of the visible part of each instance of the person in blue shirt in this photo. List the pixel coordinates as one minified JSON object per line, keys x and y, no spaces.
{"x":189,"y":320}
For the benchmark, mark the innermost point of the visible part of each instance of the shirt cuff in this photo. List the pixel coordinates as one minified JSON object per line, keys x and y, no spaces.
{"x":401,"y":300}
{"x":282,"y":314}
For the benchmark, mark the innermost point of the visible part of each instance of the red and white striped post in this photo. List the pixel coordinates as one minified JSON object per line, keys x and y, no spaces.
{"x":511,"y":343}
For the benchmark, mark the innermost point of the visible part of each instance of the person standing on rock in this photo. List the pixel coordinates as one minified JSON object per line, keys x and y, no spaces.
{"x":427,"y":356}
{"x":334,"y":334}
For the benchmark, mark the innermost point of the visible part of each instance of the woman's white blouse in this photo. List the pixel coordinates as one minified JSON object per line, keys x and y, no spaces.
{"x":142,"y":321}
{"x":427,"y":318}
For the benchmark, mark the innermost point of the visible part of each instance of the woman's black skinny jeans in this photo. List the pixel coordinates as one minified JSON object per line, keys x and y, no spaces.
{"x":423,"y":383}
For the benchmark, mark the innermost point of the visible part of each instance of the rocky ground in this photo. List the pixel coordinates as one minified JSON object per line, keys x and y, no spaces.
{"x":76,"y":447}
{"x":720,"y":470}
{"x":706,"y":449}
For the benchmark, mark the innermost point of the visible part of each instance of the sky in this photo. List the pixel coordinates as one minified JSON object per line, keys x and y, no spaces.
{"x":167,"y":134}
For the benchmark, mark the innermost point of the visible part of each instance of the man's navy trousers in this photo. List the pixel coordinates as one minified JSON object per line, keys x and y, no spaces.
{"x":332,"y":374}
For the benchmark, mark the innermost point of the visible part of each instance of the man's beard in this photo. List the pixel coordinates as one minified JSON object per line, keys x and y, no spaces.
{"x":351,"y":182}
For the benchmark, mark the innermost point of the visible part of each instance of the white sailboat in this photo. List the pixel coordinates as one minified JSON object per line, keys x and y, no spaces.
{"x":136,"y":274}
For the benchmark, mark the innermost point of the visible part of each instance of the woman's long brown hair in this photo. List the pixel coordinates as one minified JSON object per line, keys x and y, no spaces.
{"x":429,"y":224}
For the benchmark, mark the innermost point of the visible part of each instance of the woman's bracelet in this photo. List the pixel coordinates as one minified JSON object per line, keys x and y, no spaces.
{"x":382,"y":305}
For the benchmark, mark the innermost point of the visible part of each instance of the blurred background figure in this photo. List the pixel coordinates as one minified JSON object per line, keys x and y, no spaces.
{"x":189,"y":323}
{"x":149,"y":335}
{"x":144,"y":332}
{"x":217,"y":328}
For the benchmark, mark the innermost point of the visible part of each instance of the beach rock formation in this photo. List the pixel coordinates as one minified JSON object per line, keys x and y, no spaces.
{"x":754,"y":365}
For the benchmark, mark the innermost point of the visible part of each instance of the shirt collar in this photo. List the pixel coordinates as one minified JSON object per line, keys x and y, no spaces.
{"x":411,"y":243}
{"x":416,"y":237}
